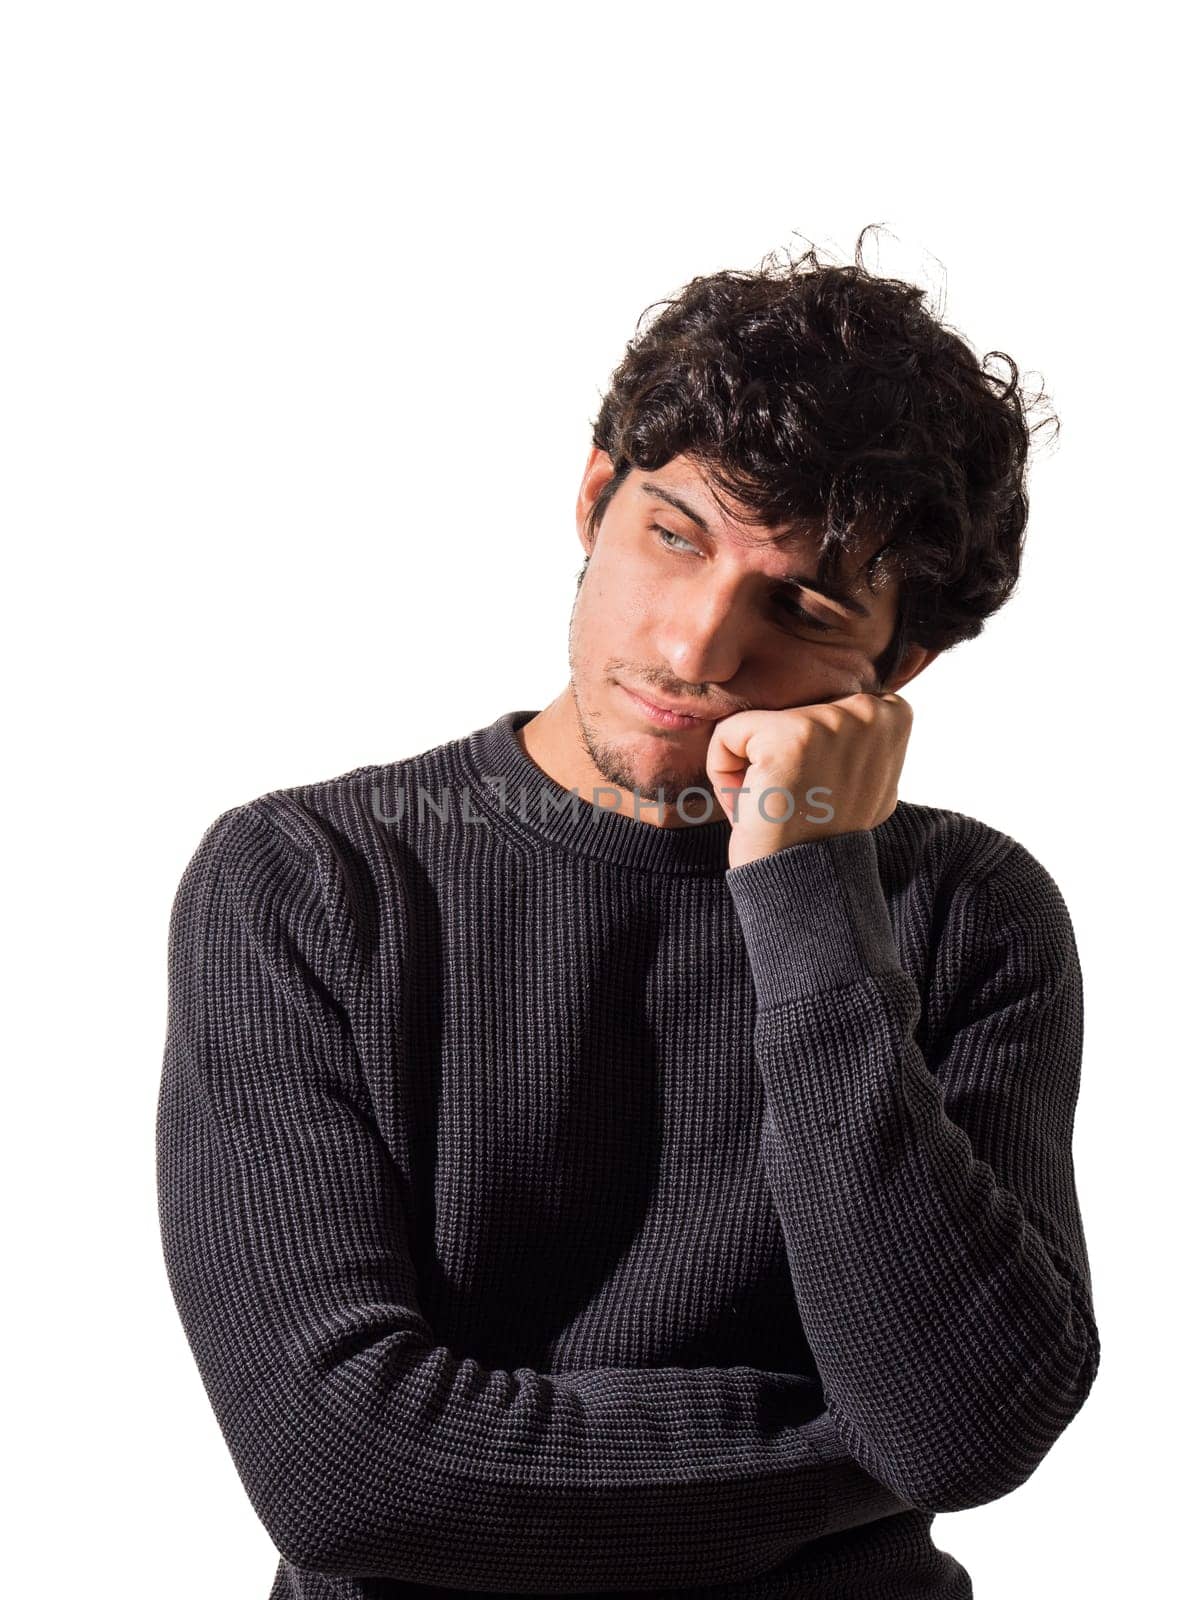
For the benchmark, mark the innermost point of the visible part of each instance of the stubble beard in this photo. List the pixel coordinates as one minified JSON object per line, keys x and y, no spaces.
{"x":611,"y":761}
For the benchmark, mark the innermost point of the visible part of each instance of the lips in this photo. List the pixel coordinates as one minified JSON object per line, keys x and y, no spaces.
{"x":668,"y":716}
{"x":679,"y":711}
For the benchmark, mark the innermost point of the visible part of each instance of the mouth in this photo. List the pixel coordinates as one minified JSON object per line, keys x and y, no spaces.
{"x":666,"y":716}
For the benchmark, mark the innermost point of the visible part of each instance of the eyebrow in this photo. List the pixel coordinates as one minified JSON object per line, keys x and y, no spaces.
{"x":800,"y":580}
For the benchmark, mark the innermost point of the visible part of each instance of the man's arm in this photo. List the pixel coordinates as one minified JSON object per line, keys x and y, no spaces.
{"x":928,"y":1205}
{"x":365,"y":1447}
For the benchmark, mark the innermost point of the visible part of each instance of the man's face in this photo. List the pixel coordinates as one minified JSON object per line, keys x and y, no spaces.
{"x":704,"y":618}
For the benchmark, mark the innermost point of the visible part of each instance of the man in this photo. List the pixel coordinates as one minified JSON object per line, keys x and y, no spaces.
{"x":626,"y":1149}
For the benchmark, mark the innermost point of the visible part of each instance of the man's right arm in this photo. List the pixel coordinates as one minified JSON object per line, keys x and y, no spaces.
{"x":367,"y":1448}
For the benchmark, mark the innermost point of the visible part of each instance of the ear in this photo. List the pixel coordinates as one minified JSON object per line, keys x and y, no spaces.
{"x":914,"y":660}
{"x":598,"y":469}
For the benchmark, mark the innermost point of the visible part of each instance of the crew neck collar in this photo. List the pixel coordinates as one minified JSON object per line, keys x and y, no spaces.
{"x":511,"y":786}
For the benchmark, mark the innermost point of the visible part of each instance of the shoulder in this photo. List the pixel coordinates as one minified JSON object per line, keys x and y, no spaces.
{"x":356,"y":806}
{"x":933,"y":841}
{"x":340,"y":815}
{"x":999,"y":925}
{"x":962,"y":855}
{"x":978,"y":899}
{"x":337,"y":858}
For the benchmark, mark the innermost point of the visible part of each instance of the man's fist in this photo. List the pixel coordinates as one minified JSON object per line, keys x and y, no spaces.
{"x":808,"y":772}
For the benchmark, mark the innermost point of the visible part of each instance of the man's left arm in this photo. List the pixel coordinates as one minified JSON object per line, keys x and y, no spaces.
{"x":927,"y":1201}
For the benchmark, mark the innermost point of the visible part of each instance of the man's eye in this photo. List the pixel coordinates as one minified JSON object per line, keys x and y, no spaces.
{"x":792,"y":607}
{"x":665,"y":533}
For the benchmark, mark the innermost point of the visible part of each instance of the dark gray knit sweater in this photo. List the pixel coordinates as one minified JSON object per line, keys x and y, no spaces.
{"x":551,"y":1209}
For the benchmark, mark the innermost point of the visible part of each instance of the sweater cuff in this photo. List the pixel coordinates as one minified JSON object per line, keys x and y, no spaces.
{"x":814,"y":916}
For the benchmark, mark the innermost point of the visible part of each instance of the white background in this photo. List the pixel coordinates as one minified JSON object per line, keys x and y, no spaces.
{"x":306,"y":314}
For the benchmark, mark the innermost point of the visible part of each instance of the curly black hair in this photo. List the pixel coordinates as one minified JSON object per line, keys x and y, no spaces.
{"x":823,"y":396}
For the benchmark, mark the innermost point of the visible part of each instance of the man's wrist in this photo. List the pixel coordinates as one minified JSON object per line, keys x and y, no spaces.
{"x":814,"y":916}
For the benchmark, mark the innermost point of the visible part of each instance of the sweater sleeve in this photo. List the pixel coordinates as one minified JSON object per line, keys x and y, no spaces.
{"x":927,"y":1200}
{"x":366,"y":1448}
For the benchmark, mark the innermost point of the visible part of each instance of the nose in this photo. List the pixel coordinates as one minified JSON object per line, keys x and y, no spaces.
{"x":697,"y":639}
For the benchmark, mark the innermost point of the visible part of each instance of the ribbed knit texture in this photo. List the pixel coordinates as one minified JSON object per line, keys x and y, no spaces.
{"x":551,"y":1209}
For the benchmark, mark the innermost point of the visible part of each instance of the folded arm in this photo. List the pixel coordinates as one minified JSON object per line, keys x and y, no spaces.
{"x":927,"y":1199}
